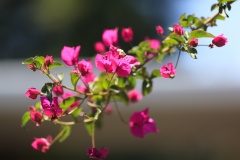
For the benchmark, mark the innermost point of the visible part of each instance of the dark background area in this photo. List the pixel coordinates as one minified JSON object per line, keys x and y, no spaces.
{"x":197,"y":113}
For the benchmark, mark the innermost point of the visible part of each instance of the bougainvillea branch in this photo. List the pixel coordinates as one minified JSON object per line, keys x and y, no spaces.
{"x":92,"y":96}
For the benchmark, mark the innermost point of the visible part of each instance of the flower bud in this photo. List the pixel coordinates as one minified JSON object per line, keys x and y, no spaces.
{"x":32,"y":93}
{"x":159,"y":30}
{"x":99,"y":47}
{"x":32,"y":66}
{"x":193,"y":42}
{"x":178,"y":30}
{"x":134,"y":96}
{"x":219,"y":41}
{"x":58,"y":90}
{"x":35,"y":116}
{"x":127,"y":34}
{"x":48,"y":60}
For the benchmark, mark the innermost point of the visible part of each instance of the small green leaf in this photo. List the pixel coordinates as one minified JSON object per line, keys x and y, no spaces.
{"x":38,"y":105}
{"x":76,"y":112}
{"x":66,"y":103}
{"x":155,"y":73}
{"x":214,"y":6}
{"x":25,"y":118}
{"x":89,"y":126}
{"x":122,"y":96}
{"x":66,"y":131}
{"x":146,"y":87}
{"x":192,"y":52}
{"x":47,"y":89}
{"x":39,"y":61}
{"x":176,"y":37}
{"x":200,"y":34}
{"x":170,"y":41}
{"x":28,"y":61}
{"x":220,"y":17}
{"x":55,"y":64}
{"x":74,"y":79}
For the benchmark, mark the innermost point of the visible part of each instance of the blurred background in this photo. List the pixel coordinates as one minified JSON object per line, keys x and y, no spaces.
{"x":197,"y":113}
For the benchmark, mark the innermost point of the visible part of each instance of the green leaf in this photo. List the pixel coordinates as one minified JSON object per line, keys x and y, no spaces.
{"x":74,"y":79}
{"x":176,"y":37}
{"x":122,"y":96}
{"x":55,"y":64}
{"x":131,"y":82}
{"x":214,"y":6}
{"x":146,"y":87}
{"x":155,"y":73}
{"x":89,"y":127}
{"x":67,"y":102}
{"x":66,"y":131}
{"x":25,"y":118}
{"x":220,"y":17}
{"x":192,"y":52}
{"x":47,"y":89}
{"x":225,"y":1}
{"x":38,"y":105}
{"x":200,"y":34}
{"x":28,"y":61}
{"x":76,"y":112}
{"x":39,"y":61}
{"x":170,"y":41}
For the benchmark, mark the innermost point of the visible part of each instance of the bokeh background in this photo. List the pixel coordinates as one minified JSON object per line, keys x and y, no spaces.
{"x":197,"y":113}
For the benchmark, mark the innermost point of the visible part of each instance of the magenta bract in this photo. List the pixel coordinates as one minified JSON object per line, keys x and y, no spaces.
{"x":168,"y":71}
{"x":98,"y":154}
{"x":69,"y":55}
{"x":42,"y":144}
{"x":159,"y":30}
{"x":85,"y":67}
{"x":51,"y":109}
{"x":110,"y":37}
{"x":134,"y":96}
{"x":141,"y":124}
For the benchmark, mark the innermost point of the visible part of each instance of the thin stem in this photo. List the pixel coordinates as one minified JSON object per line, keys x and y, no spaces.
{"x":93,"y":135}
{"x":119,"y":113}
{"x":57,"y":137}
{"x":179,"y":53}
{"x":65,"y":123}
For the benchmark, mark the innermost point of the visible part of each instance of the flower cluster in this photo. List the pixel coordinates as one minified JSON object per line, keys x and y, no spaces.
{"x":92,"y":95}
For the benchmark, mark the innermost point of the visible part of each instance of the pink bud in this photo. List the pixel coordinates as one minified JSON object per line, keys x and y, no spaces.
{"x":48,"y":60}
{"x":99,"y":47}
{"x":193,"y":42}
{"x":127,"y":34}
{"x":177,"y":29}
{"x":32,"y":93}
{"x":35,"y":116}
{"x":42,"y":144}
{"x":110,"y":37}
{"x":219,"y":41}
{"x":159,"y":30}
{"x":134,"y":96}
{"x":58,"y":90}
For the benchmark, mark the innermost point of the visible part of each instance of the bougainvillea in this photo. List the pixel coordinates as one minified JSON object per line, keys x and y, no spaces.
{"x":120,"y":71}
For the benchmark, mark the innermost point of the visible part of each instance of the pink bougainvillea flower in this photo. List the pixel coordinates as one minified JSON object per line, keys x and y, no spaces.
{"x":127,"y":34}
{"x":99,"y":47}
{"x":85,"y":67}
{"x":178,"y":29}
{"x":168,"y":71}
{"x":42,"y":144}
{"x":69,"y":55}
{"x":141,"y":124}
{"x":32,"y":93}
{"x":35,"y":116}
{"x":51,"y":109}
{"x":134,"y":96}
{"x":108,"y":110}
{"x":124,"y":68}
{"x":88,"y":78}
{"x":110,"y":37}
{"x":193,"y":42}
{"x":131,"y":60}
{"x":82,"y":89}
{"x":106,"y":63}
{"x":58,"y":90}
{"x":159,"y":30}
{"x":219,"y":41}
{"x":98,"y":154}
